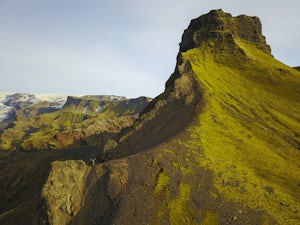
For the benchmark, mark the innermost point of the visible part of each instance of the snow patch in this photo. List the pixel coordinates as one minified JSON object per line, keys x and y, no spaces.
{"x":4,"y":111}
{"x":8,"y":101}
{"x":99,"y":108}
{"x":116,"y":98}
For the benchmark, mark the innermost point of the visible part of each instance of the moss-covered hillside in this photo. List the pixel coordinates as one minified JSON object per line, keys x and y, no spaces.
{"x":238,"y":160}
{"x":249,"y":128}
{"x":220,"y":146}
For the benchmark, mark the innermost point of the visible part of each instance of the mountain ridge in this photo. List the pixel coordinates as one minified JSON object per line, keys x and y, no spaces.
{"x":219,"y":146}
{"x":207,"y":171}
{"x":41,"y":122}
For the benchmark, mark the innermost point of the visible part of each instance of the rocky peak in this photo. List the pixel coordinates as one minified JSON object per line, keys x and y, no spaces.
{"x":170,"y":112}
{"x":219,"y":26}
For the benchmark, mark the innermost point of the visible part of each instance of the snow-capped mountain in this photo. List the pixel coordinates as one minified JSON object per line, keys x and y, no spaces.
{"x":4,"y":109}
{"x":9,"y":102}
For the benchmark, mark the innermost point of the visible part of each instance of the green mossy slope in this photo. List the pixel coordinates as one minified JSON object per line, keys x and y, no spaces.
{"x":238,"y":162}
{"x":250,"y":127}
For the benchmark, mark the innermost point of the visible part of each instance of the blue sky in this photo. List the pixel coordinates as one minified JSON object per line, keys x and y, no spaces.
{"x":117,"y":47}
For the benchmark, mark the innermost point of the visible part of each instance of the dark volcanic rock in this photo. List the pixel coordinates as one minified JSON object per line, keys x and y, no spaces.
{"x":218,"y":24}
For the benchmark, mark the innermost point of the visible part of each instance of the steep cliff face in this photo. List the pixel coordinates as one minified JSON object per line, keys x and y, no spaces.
{"x":219,"y":146}
{"x":220,"y":25}
{"x":65,"y":191}
{"x":77,"y":193}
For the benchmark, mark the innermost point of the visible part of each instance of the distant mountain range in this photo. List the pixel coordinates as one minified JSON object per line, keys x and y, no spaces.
{"x":33,"y":122}
{"x":10,"y":102}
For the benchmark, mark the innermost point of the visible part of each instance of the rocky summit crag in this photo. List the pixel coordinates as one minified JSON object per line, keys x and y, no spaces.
{"x":222,"y":26}
{"x":221,"y":145}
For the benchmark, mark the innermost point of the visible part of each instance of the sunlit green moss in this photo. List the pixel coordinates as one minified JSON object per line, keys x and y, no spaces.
{"x":162,"y":182}
{"x":180,"y":211}
{"x":182,"y":168}
{"x":211,"y":218}
{"x":247,"y":127}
